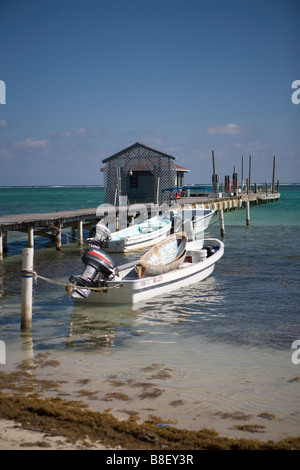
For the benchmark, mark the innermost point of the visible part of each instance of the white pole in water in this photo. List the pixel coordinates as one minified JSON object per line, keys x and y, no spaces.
{"x":80,"y":232}
{"x":30,"y":237}
{"x":247,"y":213}
{"x":222,"y":225}
{"x":27,"y":280}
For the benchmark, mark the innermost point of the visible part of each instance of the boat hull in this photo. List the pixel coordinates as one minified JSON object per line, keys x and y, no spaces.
{"x":200,"y":224}
{"x":128,"y":290}
{"x":199,"y":217}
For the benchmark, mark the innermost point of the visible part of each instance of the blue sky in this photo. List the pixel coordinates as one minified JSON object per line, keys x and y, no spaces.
{"x":87,"y":78}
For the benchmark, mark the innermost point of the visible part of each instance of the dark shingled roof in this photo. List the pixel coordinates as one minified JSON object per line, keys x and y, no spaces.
{"x":137,"y":144}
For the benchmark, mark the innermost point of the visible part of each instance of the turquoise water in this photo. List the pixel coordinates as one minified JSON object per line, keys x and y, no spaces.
{"x":33,"y":199}
{"x":227,"y":340}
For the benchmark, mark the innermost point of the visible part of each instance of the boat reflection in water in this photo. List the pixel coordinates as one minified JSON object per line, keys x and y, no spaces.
{"x":104,"y":327}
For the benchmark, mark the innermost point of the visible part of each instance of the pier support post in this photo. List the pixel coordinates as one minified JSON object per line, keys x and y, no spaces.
{"x":26,"y":285}
{"x":249,"y":182}
{"x":247,"y":213}
{"x":73,"y":233}
{"x":80,"y":233}
{"x":222,"y":225}
{"x":58,"y":237}
{"x":30,"y":237}
{"x":273,"y":178}
{"x":1,"y":244}
{"x":5,"y":241}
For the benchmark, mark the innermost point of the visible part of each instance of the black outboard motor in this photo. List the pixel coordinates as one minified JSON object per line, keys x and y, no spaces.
{"x":99,"y":268}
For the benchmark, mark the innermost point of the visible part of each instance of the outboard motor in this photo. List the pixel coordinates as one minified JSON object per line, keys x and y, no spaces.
{"x":102,"y":235}
{"x":99,"y":268}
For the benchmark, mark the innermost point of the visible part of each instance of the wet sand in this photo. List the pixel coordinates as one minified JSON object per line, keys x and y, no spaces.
{"x":41,"y":406}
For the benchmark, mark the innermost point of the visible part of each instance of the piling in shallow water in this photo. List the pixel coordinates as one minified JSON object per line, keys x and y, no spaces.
{"x":26,"y":284}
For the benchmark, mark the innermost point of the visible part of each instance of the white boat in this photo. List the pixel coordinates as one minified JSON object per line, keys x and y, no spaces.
{"x":134,"y":237}
{"x":199,"y":217}
{"x":123,"y":286}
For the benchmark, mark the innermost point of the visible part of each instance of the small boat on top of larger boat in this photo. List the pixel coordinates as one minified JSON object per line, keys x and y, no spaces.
{"x":163,"y":257}
{"x":102,"y":282}
{"x":134,"y":237}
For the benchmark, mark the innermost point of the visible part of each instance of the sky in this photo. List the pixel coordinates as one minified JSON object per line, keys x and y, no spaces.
{"x":83,"y":79}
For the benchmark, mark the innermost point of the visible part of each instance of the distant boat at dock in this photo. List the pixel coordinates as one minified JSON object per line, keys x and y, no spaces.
{"x":199,"y":217}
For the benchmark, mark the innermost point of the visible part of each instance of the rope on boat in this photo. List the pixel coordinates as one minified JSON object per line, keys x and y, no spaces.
{"x":70,"y":288}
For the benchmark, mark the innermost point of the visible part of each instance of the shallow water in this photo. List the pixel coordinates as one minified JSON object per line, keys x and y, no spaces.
{"x":223,"y":345}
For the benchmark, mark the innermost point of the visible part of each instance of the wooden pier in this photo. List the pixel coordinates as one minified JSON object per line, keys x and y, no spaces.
{"x":47,"y":225}
{"x":51,"y":224}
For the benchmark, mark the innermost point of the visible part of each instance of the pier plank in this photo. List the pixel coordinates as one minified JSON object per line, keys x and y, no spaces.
{"x":24,"y":221}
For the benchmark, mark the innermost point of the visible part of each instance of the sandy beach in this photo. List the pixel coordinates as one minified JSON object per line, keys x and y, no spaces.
{"x":39,"y":413}
{"x":15,"y":437}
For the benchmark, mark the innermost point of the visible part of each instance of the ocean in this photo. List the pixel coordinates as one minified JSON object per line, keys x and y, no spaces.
{"x":200,"y":356}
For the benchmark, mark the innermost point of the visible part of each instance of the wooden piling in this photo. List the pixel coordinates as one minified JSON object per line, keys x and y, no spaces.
{"x":26,"y":289}
{"x":273,"y":178}
{"x":215,"y":177}
{"x":242,"y":172}
{"x":58,"y":238}
{"x":1,"y":244}
{"x":5,"y":241}
{"x":80,"y":233}
{"x":247,"y":213}
{"x":249,"y":181}
{"x":222,"y":225}
{"x":31,"y":237}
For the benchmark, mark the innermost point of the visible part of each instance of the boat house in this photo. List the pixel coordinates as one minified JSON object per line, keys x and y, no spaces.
{"x":141,"y":173}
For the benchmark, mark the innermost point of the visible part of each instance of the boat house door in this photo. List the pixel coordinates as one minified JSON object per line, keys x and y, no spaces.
{"x":140,"y":186}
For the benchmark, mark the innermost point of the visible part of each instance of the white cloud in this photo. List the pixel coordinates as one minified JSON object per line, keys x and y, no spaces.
{"x":252,"y":146}
{"x":228,"y":129}
{"x":3,"y":123}
{"x":82,"y":132}
{"x":66,"y":134}
{"x":32,"y":144}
